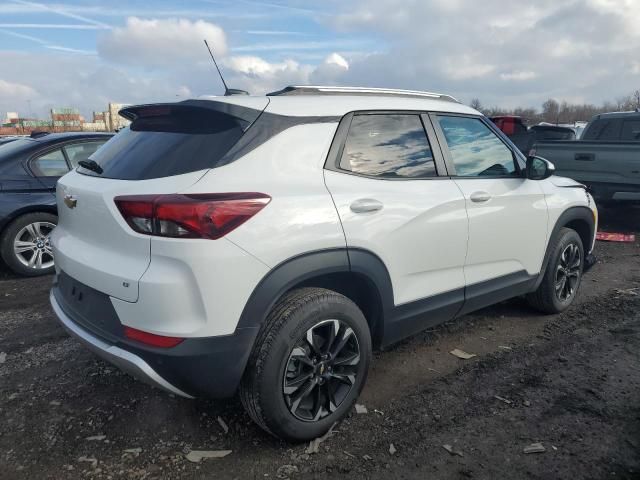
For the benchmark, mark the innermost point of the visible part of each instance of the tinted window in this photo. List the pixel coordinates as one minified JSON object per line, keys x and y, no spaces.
{"x":389,"y":146}
{"x":51,"y":164}
{"x":170,"y":141}
{"x":630,"y":130}
{"x":81,"y":151}
{"x":553,"y":133}
{"x":603,"y":129}
{"x":475,"y":149}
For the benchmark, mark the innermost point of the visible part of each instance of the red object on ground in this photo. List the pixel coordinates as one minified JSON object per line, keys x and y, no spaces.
{"x":615,"y":237}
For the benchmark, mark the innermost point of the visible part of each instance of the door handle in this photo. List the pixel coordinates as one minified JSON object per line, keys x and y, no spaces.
{"x":365,"y":205}
{"x":585,"y":157}
{"x":480,"y":197}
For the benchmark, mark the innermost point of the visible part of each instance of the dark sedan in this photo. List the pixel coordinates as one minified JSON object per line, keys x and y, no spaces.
{"x":29,"y":170}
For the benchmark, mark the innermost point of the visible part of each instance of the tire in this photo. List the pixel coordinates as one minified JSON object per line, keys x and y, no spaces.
{"x":31,"y":228}
{"x":547,"y":298}
{"x":282,"y":356}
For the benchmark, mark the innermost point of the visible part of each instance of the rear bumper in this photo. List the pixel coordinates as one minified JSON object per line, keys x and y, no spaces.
{"x":123,"y":359}
{"x":198,"y":367}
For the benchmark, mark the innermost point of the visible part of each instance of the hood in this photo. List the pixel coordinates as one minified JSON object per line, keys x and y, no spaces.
{"x":566,"y":182}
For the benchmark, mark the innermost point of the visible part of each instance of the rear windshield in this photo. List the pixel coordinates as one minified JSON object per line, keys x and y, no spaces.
{"x":163,"y":141}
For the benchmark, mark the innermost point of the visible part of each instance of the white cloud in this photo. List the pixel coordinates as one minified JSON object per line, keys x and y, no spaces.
{"x":337,"y":59}
{"x":505,"y":53}
{"x":11,"y":90}
{"x":161,"y":42}
{"x":518,"y":76}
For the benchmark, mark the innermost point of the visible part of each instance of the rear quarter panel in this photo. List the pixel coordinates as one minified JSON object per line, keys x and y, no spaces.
{"x":301,"y":216}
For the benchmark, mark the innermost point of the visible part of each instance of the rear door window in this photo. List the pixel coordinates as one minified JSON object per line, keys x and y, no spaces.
{"x":607,"y":130}
{"x":50,"y":164}
{"x":163,"y":141}
{"x":630,"y":130}
{"x":81,"y":151}
{"x":388,"y":146}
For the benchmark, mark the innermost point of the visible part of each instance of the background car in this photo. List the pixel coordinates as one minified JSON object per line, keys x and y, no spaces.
{"x":29,"y":170}
{"x":4,"y":140}
{"x":606,"y":158}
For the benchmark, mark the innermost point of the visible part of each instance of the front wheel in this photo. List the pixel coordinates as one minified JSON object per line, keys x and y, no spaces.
{"x":309,"y":364}
{"x":563,"y":275}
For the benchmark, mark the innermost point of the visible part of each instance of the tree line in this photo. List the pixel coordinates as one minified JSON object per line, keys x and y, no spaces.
{"x":556,"y":112}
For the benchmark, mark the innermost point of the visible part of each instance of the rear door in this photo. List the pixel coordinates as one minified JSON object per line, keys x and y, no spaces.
{"x":167,"y":149}
{"x":389,"y":185}
{"x":507,"y":212}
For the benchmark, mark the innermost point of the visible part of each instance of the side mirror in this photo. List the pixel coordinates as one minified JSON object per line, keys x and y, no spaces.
{"x":539,"y":168}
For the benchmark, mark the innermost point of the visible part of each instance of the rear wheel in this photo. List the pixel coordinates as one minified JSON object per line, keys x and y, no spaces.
{"x":563,"y":275}
{"x":309,"y":364}
{"x":25,"y":245}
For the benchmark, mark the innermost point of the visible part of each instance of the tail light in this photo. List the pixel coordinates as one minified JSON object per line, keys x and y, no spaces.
{"x":209,"y":216}
{"x":151,"y":338}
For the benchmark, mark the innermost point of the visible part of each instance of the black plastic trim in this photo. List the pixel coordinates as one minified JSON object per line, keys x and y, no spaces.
{"x":490,"y":292}
{"x":395,"y":322}
{"x":265,"y":127}
{"x":285,"y":276}
{"x":573,"y":213}
{"x":209,"y":366}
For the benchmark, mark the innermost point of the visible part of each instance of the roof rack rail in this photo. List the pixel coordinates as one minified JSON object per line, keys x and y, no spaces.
{"x":334,"y":90}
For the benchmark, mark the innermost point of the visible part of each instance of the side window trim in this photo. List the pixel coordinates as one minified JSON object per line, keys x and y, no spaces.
{"x":43,"y":152}
{"x":442,"y":143}
{"x":340,"y":139}
{"x":447,"y":153}
{"x":442,"y":168}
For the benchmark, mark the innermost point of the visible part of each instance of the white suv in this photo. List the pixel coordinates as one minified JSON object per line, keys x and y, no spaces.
{"x":266,"y":244}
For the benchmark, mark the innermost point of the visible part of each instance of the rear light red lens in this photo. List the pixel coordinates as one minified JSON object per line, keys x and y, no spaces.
{"x":209,"y":216}
{"x":151,"y":338}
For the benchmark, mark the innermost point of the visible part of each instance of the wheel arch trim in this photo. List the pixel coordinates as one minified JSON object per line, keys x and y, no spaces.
{"x":304,"y":267}
{"x":583,"y":214}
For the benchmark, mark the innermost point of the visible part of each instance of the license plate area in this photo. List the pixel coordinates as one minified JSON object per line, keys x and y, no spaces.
{"x":88,"y":307}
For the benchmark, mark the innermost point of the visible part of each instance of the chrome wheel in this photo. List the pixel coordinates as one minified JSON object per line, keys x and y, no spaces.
{"x":568,"y":272}
{"x":321,"y":370}
{"x":32,"y":247}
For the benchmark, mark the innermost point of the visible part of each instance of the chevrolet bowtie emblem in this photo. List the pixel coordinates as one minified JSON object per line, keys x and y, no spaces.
{"x":70,"y":201}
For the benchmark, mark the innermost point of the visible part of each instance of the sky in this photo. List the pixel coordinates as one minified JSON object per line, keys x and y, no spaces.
{"x":85,"y":53}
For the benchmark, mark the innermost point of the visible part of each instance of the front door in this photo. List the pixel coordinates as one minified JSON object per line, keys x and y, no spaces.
{"x":507,"y":212}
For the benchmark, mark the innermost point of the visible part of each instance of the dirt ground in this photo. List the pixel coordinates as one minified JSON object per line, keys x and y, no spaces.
{"x":569,"y":381}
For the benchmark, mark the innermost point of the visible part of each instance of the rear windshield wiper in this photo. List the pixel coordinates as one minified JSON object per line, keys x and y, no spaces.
{"x":91,"y":165}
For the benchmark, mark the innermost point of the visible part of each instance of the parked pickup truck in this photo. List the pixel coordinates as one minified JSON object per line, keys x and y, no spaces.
{"x":606,"y":158}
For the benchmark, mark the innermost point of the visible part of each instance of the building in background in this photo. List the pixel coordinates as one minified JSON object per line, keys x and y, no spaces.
{"x":112,"y":119}
{"x":11,"y":119}
{"x":65,"y":119}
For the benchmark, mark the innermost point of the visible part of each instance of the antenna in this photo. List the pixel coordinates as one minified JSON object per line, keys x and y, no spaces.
{"x":227,"y":91}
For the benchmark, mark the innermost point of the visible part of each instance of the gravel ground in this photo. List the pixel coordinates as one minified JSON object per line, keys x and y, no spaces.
{"x":570,"y":382}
